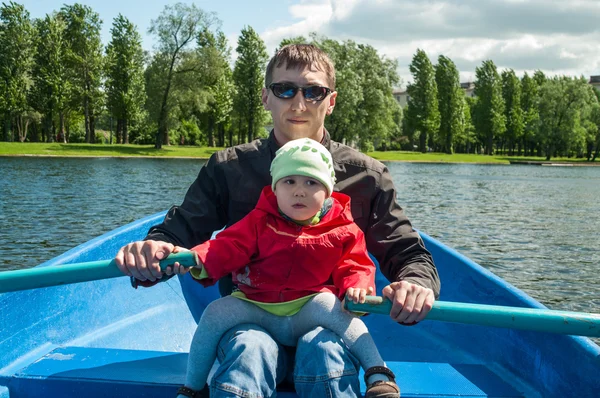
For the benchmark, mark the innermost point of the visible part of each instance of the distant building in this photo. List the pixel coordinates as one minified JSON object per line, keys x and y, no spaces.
{"x":595,"y":81}
{"x":401,"y":96}
{"x":468,"y":88}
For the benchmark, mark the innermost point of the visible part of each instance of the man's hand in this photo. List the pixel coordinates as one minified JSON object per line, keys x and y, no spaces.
{"x":410,"y":303}
{"x":141,"y":259}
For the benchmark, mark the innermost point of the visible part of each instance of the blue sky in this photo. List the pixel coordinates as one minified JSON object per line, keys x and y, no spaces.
{"x":555,"y":36}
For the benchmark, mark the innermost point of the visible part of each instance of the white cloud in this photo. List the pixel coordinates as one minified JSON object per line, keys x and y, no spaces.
{"x":312,"y":16}
{"x":555,"y":36}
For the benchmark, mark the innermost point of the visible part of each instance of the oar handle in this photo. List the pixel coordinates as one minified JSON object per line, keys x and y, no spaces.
{"x":186,"y":259}
{"x":534,"y":319}
{"x":36,"y":277}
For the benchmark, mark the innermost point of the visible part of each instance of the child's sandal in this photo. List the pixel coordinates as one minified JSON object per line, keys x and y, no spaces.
{"x":381,"y":388}
{"x":188,"y":392}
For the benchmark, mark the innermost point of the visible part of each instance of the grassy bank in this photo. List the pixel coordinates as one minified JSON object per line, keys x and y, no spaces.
{"x":436,"y":157}
{"x":55,"y":149}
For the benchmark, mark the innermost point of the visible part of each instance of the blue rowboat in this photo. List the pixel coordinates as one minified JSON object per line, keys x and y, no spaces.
{"x":105,"y":339}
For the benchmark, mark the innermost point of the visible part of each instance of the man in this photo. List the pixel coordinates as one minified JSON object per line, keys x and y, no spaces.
{"x":299,"y":93}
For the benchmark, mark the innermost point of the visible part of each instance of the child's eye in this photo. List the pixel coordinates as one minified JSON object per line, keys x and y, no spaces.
{"x":311,"y":182}
{"x":289,"y":181}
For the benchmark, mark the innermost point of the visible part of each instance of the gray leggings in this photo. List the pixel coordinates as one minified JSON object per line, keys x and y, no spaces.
{"x":324,"y":310}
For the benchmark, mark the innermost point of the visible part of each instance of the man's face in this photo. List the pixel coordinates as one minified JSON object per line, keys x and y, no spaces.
{"x":297,"y":117}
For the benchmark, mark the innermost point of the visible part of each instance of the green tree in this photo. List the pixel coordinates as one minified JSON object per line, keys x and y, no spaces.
{"x":342,"y":123}
{"x":16,"y":59}
{"x":85,"y":61}
{"x":450,"y":102}
{"x":466,"y":137}
{"x":594,"y":144}
{"x":396,"y":139}
{"x":586,"y":130}
{"x":215,"y":55}
{"x":51,"y":89}
{"x":190,"y":99}
{"x":249,"y":76}
{"x":513,"y":113}
{"x":539,"y":77}
{"x":594,"y":133}
{"x":563,"y":104}
{"x":529,"y":106}
{"x":176,"y":30}
{"x":155,"y":77}
{"x":221,"y":105}
{"x":408,"y":128}
{"x":378,"y":76}
{"x":205,"y":95}
{"x":489,"y":109}
{"x":422,"y":101}
{"x":125,"y":85}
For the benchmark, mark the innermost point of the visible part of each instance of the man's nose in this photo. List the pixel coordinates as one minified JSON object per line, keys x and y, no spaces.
{"x":298,"y":101}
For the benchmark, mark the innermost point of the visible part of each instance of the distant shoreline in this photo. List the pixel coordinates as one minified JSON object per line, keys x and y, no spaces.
{"x":424,"y":161}
{"x":30,"y":155}
{"x":120,"y":151}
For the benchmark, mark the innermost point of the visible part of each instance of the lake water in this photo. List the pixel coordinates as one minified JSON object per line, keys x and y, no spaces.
{"x":537,"y":227}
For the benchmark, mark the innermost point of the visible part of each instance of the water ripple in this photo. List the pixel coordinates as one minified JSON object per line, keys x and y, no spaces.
{"x":536,"y":227}
{"x":48,"y":206}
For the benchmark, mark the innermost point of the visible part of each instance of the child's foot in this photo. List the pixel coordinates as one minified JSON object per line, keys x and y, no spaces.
{"x":381,"y":383}
{"x":184,"y":392}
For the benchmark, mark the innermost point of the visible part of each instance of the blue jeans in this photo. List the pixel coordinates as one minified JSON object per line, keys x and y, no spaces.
{"x":252,"y":364}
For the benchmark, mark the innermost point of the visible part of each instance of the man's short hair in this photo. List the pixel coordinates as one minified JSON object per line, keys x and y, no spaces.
{"x":301,"y":56}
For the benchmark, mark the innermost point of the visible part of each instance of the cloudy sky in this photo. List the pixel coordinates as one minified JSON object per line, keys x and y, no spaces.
{"x":558,"y":37}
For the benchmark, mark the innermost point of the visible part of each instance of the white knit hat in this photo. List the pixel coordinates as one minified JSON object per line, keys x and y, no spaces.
{"x":304,"y":157}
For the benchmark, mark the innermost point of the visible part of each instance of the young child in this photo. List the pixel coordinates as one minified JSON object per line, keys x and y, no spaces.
{"x":293,"y":258}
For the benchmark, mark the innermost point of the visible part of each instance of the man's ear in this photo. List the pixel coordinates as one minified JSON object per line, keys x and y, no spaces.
{"x":331,"y":104}
{"x":265,"y":97}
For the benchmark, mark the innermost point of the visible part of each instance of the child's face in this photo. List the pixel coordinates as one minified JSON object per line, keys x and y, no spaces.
{"x":300,"y":197}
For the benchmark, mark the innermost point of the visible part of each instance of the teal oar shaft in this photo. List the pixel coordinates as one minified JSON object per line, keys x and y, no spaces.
{"x":33,"y":278}
{"x":535,"y":319}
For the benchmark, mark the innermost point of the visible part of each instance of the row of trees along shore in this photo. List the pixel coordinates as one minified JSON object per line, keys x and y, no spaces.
{"x":58,"y":82}
{"x":531,"y":116}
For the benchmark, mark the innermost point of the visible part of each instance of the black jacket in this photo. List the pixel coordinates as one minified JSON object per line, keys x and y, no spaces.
{"x":229,"y":185}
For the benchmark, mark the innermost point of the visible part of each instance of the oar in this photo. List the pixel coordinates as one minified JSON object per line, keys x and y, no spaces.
{"x":535,"y":319}
{"x":36,"y":277}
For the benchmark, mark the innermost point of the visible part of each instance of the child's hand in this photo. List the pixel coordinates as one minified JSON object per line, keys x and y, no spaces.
{"x":358,"y":295}
{"x":177,"y":268}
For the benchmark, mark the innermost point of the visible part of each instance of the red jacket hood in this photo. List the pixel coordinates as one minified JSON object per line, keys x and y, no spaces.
{"x":339,"y":214}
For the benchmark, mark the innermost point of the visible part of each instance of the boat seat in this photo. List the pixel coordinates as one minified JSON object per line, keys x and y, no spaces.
{"x":99,"y":372}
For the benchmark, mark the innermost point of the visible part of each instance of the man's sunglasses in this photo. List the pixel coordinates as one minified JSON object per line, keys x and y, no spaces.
{"x":311,"y":93}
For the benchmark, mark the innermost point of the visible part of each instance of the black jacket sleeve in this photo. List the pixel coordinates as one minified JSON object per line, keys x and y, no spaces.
{"x":200,"y":214}
{"x":396,"y":245}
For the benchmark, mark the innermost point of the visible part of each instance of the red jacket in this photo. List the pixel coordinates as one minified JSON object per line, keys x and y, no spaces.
{"x":275,"y":260}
